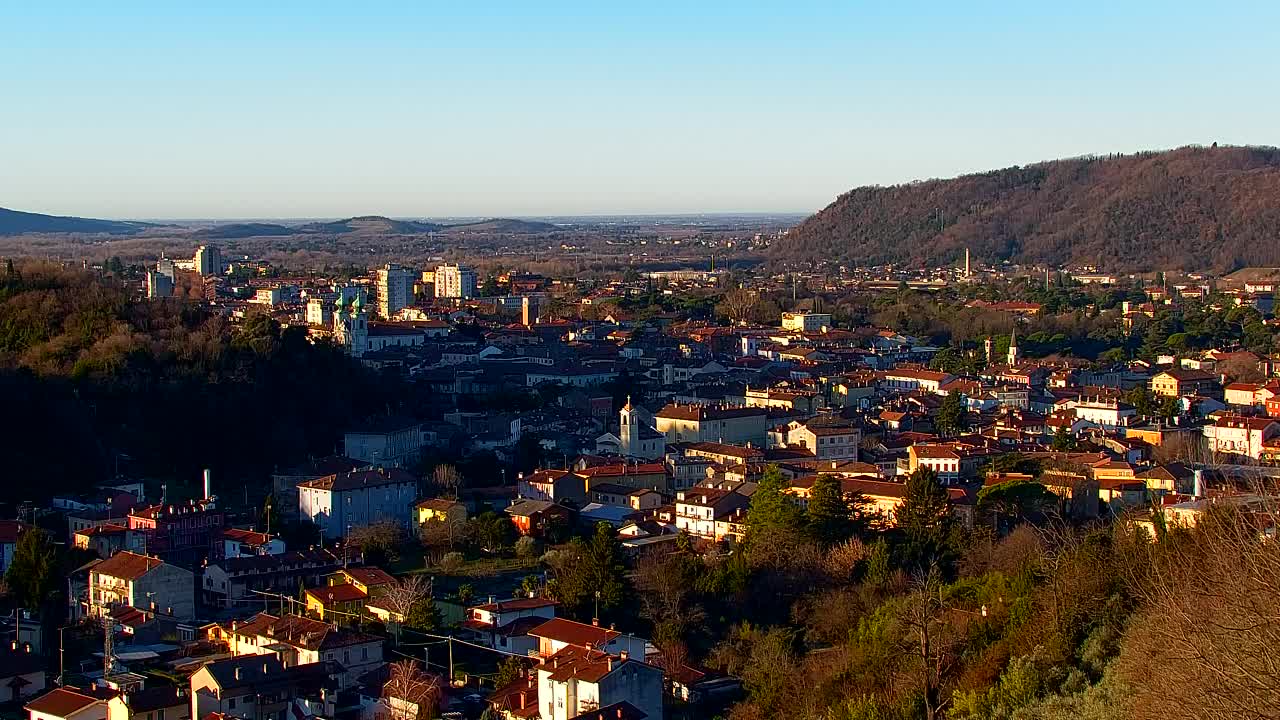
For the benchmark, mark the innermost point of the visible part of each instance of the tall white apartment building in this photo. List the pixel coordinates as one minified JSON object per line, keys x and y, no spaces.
{"x":455,"y":281}
{"x":395,"y":289}
{"x":208,"y":260}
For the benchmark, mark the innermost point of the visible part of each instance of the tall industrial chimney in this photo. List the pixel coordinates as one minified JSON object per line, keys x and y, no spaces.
{"x":208,"y":484}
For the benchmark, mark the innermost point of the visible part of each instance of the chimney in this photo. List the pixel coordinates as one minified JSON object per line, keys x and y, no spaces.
{"x":1198,"y":479}
{"x":208,"y":484}
{"x":595,"y":621}
{"x":624,"y":655}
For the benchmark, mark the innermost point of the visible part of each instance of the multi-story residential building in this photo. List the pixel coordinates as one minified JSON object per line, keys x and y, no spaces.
{"x":909,"y":379}
{"x":143,"y":582}
{"x":806,"y":321}
{"x":320,"y":309}
{"x":1109,"y":413}
{"x":826,"y":439}
{"x":163,"y":702}
{"x":208,"y":260}
{"x":700,"y":423}
{"x":186,"y":534}
{"x":455,"y":281}
{"x":229,"y":582}
{"x":337,"y":503}
{"x":581,"y":682}
{"x":1180,"y":382}
{"x":158,"y":284}
{"x":1237,"y":435}
{"x":942,"y":459}
{"x":261,"y":687}
{"x":698,"y":509}
{"x":395,"y":289}
{"x":385,"y":440}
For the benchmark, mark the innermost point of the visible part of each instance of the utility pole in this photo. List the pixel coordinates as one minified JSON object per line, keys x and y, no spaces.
{"x":450,"y":660}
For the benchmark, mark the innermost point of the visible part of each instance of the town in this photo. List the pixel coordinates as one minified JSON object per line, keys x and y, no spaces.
{"x":589,"y":498}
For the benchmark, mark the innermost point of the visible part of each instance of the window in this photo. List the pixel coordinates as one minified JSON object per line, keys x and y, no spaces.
{"x":364,"y":653}
{"x":231,"y":703}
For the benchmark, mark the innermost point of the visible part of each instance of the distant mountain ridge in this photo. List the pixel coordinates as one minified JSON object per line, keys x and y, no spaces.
{"x":15,"y":222}
{"x":371,"y":224}
{"x":1193,"y":208}
{"x":503,"y":225}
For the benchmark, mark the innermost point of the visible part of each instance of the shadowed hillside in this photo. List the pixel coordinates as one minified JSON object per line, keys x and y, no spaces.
{"x":1191,"y":208}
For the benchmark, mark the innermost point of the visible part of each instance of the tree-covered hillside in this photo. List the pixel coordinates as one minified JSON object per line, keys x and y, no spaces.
{"x":1188,"y":209}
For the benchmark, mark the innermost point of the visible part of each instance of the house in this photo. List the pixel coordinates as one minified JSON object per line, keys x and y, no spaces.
{"x":638,"y":476}
{"x":1179,"y":382}
{"x":581,"y":682}
{"x":552,"y":486}
{"x":624,"y":496}
{"x":22,"y":673}
{"x":440,"y":510}
{"x":827,"y":439}
{"x":261,"y":687}
{"x":244,"y":543}
{"x":297,"y":640}
{"x":1239,"y":435}
{"x":107,"y":539}
{"x":533,"y":517}
{"x":67,"y":703}
{"x":141,"y":581}
{"x":698,"y":509}
{"x":336,"y":503}
{"x":942,"y":459}
{"x":340,"y":603}
{"x":165,"y":702}
{"x":505,"y":624}
{"x":372,"y":581}
{"x":558,"y":633}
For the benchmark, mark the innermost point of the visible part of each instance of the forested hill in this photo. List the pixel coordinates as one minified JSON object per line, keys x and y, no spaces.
{"x":1191,"y":209}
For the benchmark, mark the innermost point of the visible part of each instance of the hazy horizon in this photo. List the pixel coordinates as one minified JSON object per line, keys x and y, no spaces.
{"x":303,"y":110}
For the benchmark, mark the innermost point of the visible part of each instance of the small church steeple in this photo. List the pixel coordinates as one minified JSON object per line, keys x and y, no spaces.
{"x":1014,"y":354}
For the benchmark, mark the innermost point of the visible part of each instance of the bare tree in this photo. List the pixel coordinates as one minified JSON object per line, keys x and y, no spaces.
{"x":379,"y":542}
{"x":447,"y":479}
{"x":410,"y":693}
{"x":1204,"y":644}
{"x":738,"y":304}
{"x":406,"y":592}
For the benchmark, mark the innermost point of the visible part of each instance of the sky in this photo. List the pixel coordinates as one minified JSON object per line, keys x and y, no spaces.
{"x":477,"y":107}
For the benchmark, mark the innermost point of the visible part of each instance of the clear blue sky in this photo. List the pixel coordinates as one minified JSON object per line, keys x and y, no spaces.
{"x":472,"y":107}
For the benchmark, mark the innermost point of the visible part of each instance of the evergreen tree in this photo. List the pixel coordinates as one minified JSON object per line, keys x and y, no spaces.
{"x":32,"y":572}
{"x":925,"y":518}
{"x":1062,"y":441}
{"x":951,"y":418}
{"x":772,"y":510}
{"x":828,"y":514}
{"x":424,"y":615}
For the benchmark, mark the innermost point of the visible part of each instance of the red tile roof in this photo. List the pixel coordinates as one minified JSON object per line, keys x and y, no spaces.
{"x":127,"y":565}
